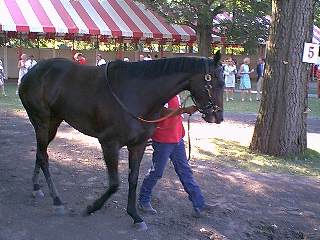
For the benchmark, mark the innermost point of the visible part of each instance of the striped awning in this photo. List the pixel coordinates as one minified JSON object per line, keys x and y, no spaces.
{"x":316,"y":35}
{"x":111,"y":18}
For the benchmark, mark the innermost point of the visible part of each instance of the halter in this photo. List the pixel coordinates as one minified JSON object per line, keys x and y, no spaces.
{"x":206,"y":108}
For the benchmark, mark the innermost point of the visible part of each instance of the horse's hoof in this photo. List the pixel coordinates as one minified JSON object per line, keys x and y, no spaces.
{"x":86,"y":213}
{"x":90,"y":210}
{"x":141,"y":226}
{"x":59,"y":210}
{"x":38,"y":194}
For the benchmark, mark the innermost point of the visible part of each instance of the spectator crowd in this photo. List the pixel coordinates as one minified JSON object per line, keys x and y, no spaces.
{"x":236,"y":78}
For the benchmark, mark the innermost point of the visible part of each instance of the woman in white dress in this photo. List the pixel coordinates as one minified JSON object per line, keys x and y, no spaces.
{"x":22,"y":69}
{"x":100,"y":60}
{"x":230,"y":71}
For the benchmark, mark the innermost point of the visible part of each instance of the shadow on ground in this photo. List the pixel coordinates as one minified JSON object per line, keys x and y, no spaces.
{"x":247,"y":205}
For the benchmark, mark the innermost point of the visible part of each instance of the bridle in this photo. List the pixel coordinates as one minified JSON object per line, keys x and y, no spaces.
{"x":210,"y":106}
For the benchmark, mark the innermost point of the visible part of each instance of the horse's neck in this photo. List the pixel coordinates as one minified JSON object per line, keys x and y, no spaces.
{"x":155,"y":92}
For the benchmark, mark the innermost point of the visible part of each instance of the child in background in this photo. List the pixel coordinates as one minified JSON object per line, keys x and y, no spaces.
{"x":230,"y":71}
{"x":22,"y":69}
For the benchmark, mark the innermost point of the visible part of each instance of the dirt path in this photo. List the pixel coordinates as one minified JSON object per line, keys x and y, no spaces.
{"x":248,"y":205}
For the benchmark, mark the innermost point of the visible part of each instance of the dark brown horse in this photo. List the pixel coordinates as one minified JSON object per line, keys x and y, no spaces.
{"x":104,"y":102}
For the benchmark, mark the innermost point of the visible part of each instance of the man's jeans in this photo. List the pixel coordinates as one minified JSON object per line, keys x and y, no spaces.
{"x":177,"y":153}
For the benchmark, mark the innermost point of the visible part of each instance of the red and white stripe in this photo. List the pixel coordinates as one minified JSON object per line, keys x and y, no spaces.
{"x":114,"y":18}
{"x":316,"y":35}
{"x":219,"y":18}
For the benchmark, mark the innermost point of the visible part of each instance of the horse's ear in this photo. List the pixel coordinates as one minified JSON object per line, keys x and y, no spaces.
{"x":217,"y":57}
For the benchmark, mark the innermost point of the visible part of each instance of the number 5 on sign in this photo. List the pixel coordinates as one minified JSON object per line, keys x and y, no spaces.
{"x":310,"y":53}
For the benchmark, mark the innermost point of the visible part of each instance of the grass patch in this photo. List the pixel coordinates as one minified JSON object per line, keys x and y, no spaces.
{"x":314,"y":105}
{"x":237,"y":106}
{"x":232,"y":154}
{"x":12,"y":101}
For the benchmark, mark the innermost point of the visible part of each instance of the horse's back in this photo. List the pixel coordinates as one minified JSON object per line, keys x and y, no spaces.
{"x":70,"y":91}
{"x":58,"y":73}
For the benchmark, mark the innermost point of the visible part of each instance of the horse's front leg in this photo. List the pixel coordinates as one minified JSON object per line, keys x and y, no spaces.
{"x":135,"y":157}
{"x":111,"y":155}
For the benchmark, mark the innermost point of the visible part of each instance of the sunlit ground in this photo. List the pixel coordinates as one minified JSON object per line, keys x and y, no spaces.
{"x":228,"y":143}
{"x":225,"y":144}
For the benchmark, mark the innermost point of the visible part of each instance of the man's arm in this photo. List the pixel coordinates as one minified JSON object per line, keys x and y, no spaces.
{"x":189,"y":110}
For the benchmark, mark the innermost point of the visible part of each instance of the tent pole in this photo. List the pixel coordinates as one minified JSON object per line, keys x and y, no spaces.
{"x":5,"y":55}
{"x":54,"y":49}
{"x":97,"y":48}
{"x":38,"y":46}
{"x":161,"y":50}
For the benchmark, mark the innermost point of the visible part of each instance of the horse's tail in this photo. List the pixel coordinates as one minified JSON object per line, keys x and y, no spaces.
{"x":31,"y":85}
{"x":32,"y":72}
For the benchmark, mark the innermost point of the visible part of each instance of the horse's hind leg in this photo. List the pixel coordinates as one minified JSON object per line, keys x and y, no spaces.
{"x":45,"y":132}
{"x":53,"y":127}
{"x":135,"y":157}
{"x":111,"y":155}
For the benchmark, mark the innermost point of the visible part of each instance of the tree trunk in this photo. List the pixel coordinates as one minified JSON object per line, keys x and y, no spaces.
{"x":281,"y":124}
{"x":204,"y":40}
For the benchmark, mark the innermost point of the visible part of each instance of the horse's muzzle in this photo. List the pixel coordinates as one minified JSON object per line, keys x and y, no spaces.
{"x":213,"y":117}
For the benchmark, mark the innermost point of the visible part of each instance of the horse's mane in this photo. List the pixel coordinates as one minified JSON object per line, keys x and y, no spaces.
{"x":166,"y":66}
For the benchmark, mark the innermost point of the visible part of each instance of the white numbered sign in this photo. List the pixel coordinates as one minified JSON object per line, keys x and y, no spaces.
{"x":310,"y":53}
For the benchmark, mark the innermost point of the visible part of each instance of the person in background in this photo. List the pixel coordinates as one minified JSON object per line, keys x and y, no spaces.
{"x":260,"y":72}
{"x":245,"y":81}
{"x":30,"y":62}
{"x":141,"y":57}
{"x":2,"y":78}
{"x":100,"y":60}
{"x":234,"y":60}
{"x":79,"y":58}
{"x":22,"y":69}
{"x":167,"y":142}
{"x":230,"y":72}
{"x":148,"y":58}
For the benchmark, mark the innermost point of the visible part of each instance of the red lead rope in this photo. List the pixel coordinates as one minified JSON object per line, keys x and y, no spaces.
{"x":189,"y":139}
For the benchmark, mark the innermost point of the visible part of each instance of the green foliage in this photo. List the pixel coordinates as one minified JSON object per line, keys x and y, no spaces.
{"x":186,"y":11}
{"x":249,"y":23}
{"x":249,"y":17}
{"x":197,"y":14}
{"x":317,"y":14}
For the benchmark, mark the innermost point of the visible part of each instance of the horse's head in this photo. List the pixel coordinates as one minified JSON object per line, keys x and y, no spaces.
{"x":207,"y":92}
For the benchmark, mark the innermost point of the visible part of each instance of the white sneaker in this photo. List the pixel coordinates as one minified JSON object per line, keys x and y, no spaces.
{"x":307,"y":110}
{"x":147,"y":208}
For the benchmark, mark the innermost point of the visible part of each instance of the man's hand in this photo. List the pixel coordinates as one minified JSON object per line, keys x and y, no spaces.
{"x":190,"y":110}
